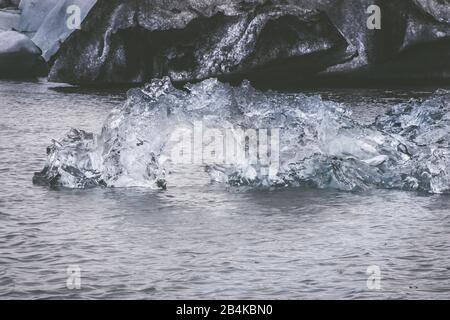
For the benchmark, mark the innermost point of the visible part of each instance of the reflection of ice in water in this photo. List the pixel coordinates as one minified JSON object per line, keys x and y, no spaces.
{"x":320,"y":145}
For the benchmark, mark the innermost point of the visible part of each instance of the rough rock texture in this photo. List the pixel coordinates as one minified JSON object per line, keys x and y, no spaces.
{"x":276,"y":42}
{"x":19,"y":56}
{"x":439,"y":10}
{"x":135,"y":41}
{"x":413,"y":44}
{"x":46,"y":22}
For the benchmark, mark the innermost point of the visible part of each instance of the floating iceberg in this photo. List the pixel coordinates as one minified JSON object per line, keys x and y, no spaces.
{"x":316,"y":142}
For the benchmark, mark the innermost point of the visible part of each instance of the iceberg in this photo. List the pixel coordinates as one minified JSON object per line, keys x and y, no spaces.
{"x":317,"y":143}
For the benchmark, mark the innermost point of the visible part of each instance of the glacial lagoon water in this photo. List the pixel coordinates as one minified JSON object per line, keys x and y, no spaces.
{"x":199,"y":239}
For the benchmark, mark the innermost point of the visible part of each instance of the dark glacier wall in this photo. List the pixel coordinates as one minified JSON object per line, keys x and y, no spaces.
{"x":272,"y":43}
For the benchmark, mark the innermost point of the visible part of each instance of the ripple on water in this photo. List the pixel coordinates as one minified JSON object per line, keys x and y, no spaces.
{"x":200,"y":240}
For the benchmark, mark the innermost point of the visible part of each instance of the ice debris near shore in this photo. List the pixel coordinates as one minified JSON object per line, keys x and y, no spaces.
{"x":320,"y":145}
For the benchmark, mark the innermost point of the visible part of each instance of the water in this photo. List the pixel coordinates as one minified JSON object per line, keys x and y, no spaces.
{"x":199,"y":239}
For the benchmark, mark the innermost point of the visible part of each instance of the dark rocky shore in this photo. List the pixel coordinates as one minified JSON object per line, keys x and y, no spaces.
{"x":273,"y":43}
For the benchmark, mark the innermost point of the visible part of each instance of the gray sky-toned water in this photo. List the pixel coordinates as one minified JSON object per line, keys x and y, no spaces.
{"x":203,"y":240}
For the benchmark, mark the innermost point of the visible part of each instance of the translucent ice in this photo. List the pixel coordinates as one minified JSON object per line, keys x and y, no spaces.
{"x":317,"y":142}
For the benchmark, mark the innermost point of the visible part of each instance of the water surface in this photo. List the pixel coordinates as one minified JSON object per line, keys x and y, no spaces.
{"x":201,"y":240}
